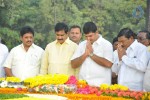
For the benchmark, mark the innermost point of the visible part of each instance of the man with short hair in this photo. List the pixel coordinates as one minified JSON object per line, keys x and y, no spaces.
{"x":144,"y":38}
{"x":132,"y":59}
{"x":75,"y":34}
{"x":57,"y":55}
{"x":94,"y":57}
{"x":114,"y":68}
{"x":24,"y":60}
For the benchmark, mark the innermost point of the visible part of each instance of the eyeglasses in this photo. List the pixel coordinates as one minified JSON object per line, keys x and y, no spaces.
{"x":141,"y":39}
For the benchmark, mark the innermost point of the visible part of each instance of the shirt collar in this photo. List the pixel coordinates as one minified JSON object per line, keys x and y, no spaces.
{"x":148,"y":48}
{"x":133,"y":45}
{"x":99,"y":40}
{"x":32,"y":46}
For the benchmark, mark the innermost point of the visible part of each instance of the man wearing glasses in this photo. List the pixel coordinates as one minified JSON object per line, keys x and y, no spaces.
{"x":144,"y":38}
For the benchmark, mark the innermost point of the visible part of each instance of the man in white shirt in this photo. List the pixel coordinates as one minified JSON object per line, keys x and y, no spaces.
{"x":114,"y":68}
{"x":94,"y":56}
{"x":3,"y":55}
{"x":24,"y":60}
{"x":144,"y":38}
{"x":133,"y":60}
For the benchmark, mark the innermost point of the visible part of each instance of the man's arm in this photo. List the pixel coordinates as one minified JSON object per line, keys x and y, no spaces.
{"x":101,"y":61}
{"x":8,"y":72}
{"x":75,"y":63}
{"x":44,"y":62}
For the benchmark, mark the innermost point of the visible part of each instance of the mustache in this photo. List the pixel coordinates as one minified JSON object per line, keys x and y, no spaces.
{"x":29,"y":41}
{"x":60,"y":39}
{"x":74,"y":37}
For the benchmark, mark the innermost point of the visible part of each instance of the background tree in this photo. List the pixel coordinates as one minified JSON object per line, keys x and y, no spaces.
{"x":148,"y":15}
{"x":109,"y":15}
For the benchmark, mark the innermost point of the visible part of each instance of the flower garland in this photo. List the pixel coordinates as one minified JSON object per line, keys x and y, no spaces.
{"x":72,"y":80}
{"x":11,"y":79}
{"x":113,"y":87}
{"x":13,"y":90}
{"x":60,"y":83}
{"x":146,"y":96}
{"x":46,"y":79}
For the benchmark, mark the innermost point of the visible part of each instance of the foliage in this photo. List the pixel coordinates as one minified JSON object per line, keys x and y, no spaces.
{"x":109,"y":15}
{"x":11,"y":37}
{"x":10,"y":96}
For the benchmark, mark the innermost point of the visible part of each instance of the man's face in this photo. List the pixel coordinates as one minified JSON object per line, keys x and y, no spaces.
{"x":92,"y":37}
{"x":115,"y":45}
{"x":61,"y":36}
{"x":27,"y":39}
{"x":141,"y":37}
{"x":75,"y":35}
{"x":125,"y":42}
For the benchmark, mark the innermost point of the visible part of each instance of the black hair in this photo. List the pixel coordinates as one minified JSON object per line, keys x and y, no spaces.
{"x":127,"y":32}
{"x":89,"y":27}
{"x":75,"y":26}
{"x":61,"y":26}
{"x":115,"y":40}
{"x":147,"y":33}
{"x":26,"y":29}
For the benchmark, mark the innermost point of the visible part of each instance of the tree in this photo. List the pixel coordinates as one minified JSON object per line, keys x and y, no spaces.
{"x":148,"y":15}
{"x":109,"y":15}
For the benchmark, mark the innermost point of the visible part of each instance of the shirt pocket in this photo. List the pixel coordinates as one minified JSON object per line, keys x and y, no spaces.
{"x":17,"y":60}
{"x":132,"y":55}
{"x":34,"y":59}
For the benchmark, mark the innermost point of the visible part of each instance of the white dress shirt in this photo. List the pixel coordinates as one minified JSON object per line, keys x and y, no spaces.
{"x":24,"y":64}
{"x":146,"y":84}
{"x":90,"y":71}
{"x":3,"y":55}
{"x":115,"y":68}
{"x":133,"y":66}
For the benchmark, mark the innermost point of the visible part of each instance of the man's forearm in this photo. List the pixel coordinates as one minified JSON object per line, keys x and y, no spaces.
{"x":78,"y":61}
{"x":101,"y":61}
{"x":8,"y":72}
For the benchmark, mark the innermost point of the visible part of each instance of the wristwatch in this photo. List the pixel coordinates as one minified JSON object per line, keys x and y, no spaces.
{"x":91,"y":54}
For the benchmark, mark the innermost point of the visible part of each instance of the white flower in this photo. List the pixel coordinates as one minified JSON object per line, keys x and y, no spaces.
{"x":4,"y":84}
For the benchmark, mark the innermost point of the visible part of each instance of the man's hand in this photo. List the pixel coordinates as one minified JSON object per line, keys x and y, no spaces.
{"x":121,"y":51}
{"x":89,"y":48}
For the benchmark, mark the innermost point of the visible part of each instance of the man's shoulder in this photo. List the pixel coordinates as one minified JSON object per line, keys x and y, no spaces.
{"x":102,"y":42}
{"x":3,"y":46}
{"x":83,"y":42}
{"x":72,"y":43}
{"x":51,"y":44}
{"x":106,"y":41}
{"x":38,"y":47}
{"x":138,"y":45}
{"x":16,"y":47}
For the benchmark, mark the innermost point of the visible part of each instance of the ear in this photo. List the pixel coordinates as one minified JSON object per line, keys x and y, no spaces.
{"x":97,"y":33}
{"x":131,"y":38}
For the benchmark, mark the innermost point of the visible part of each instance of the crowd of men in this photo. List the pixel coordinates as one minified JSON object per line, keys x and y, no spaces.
{"x":94,"y":59}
